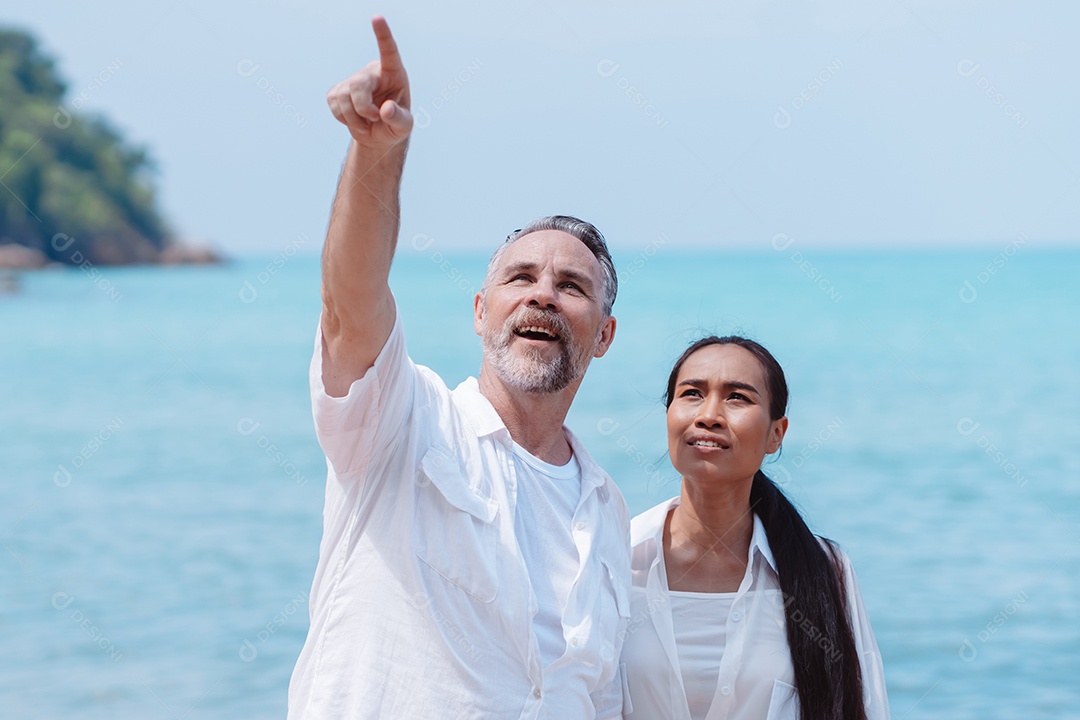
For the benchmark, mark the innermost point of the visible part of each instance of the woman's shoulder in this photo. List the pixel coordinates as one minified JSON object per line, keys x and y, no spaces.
{"x":829,"y":545}
{"x":836,"y":554}
{"x":644,"y":526}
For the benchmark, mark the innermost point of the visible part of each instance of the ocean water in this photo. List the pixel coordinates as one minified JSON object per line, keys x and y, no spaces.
{"x":161,"y":486}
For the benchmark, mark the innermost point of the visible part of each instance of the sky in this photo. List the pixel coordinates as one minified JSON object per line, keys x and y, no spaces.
{"x":689,"y":125}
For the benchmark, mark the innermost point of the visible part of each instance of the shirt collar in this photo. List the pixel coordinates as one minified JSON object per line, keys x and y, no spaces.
{"x":486,"y":421}
{"x":592,"y":475}
{"x":760,"y":542}
{"x":655,"y":518}
{"x":478,"y":410}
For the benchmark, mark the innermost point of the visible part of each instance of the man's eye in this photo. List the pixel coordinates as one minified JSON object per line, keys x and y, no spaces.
{"x":691,"y":392}
{"x":739,"y":396}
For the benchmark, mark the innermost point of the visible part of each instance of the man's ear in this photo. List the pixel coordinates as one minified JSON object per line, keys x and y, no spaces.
{"x":478,"y":313}
{"x":607,"y":334}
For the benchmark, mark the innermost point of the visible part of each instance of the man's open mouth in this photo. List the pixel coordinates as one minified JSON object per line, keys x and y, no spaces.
{"x":536,"y":332}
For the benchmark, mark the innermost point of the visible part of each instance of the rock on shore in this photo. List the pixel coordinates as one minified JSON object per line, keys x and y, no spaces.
{"x":21,"y":257}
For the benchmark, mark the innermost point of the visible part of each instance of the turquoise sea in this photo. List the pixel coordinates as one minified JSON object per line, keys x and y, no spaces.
{"x":161,"y":486}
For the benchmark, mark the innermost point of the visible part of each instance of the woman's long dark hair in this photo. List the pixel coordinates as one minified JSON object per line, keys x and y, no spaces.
{"x":827,"y":674}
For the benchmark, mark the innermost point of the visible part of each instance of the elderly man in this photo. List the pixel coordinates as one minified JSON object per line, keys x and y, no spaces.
{"x":474,"y":560}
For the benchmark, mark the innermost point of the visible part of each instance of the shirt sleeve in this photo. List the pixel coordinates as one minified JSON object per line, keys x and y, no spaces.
{"x":873,"y":669}
{"x":353,"y":428}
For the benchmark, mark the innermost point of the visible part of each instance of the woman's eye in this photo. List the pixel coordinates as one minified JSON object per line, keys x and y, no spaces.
{"x":690,"y":393}
{"x":740,"y":397}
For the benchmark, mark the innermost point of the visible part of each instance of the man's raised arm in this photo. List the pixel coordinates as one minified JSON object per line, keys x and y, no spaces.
{"x":358,"y":310}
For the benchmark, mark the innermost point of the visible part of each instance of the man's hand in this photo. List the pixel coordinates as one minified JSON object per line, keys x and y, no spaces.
{"x":374,"y":102}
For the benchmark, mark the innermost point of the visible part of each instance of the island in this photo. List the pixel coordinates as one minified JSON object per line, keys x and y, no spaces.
{"x":72,"y":190}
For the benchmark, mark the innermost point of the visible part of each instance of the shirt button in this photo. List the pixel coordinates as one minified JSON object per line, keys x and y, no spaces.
{"x":736,"y":616}
{"x":536,"y":693}
{"x":726,"y":690}
{"x":580,"y":526}
{"x":576,"y":642}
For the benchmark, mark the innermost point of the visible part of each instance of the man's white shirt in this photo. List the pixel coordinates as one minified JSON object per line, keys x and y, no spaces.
{"x":422,"y":604}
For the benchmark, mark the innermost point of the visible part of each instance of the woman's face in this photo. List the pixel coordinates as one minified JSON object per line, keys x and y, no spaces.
{"x":718,"y":421}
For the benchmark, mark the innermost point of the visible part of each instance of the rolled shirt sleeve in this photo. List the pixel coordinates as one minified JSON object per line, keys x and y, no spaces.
{"x":353,"y":428}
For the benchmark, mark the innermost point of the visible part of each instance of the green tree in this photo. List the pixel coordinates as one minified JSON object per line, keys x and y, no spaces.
{"x":67,"y":174}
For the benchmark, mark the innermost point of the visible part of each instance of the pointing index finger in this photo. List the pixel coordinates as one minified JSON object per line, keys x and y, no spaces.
{"x":388,"y":51}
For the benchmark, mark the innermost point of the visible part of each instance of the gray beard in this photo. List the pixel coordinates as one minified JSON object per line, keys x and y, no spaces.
{"x":529,"y":371}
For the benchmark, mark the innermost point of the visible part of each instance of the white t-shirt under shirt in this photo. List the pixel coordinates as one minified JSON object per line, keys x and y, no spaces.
{"x":700,"y":623}
{"x":548,"y":496}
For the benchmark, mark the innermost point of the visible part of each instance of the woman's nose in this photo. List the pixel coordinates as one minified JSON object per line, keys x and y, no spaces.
{"x":710,"y":414}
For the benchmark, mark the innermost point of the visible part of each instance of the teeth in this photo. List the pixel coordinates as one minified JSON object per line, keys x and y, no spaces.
{"x":536,"y":329}
{"x":706,"y":443}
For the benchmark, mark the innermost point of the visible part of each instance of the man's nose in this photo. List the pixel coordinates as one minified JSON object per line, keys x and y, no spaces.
{"x":544,"y":294}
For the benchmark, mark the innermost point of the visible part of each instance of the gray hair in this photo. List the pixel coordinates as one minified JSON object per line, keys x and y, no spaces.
{"x":583,"y":231}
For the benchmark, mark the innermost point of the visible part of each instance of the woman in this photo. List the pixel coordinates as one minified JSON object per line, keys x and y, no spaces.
{"x":738,"y":610}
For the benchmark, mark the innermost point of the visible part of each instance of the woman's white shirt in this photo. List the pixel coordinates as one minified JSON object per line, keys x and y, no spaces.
{"x":666,"y":659}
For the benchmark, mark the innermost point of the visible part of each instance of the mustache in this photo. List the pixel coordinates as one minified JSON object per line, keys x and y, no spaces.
{"x":539,"y":316}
